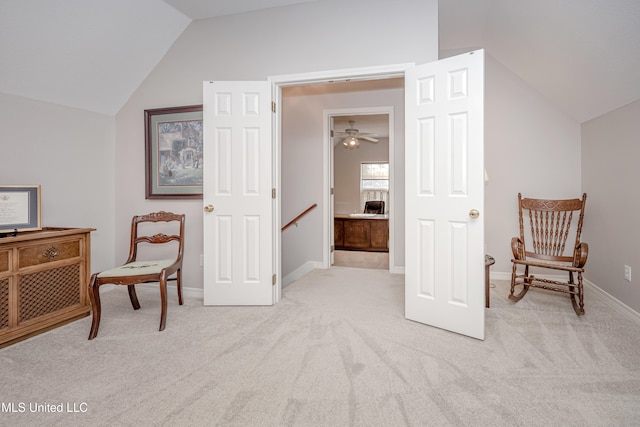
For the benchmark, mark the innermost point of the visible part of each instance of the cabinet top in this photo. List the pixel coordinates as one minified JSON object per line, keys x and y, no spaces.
{"x":44,"y":233}
{"x":361,"y":216}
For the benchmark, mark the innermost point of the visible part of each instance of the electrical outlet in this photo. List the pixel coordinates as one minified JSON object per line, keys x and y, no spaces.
{"x":627,"y":273}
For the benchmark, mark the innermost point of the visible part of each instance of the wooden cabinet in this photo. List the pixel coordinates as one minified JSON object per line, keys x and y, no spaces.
{"x":338,"y":234}
{"x":379,"y":235}
{"x":358,"y":234}
{"x":43,"y":281}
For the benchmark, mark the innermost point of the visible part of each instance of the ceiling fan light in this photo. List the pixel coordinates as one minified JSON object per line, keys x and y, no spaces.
{"x":351,"y":143}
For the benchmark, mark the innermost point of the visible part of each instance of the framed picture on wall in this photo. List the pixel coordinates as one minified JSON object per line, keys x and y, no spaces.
{"x":173,"y":138}
{"x":20,"y":208}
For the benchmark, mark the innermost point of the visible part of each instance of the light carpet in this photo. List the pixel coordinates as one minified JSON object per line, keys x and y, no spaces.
{"x":336,"y":351}
{"x":361,"y":259}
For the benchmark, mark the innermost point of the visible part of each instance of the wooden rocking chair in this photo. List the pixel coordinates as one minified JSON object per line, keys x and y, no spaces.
{"x":551,"y":224}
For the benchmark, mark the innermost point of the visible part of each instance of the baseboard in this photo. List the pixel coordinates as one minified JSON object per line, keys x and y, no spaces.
{"x":396,"y":270}
{"x":301,"y":271}
{"x":196,"y":293}
{"x":498,"y":275}
{"x":613,"y":302}
{"x":590,"y":287}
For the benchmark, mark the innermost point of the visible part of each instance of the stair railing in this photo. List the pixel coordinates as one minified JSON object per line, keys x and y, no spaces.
{"x":296,"y":219}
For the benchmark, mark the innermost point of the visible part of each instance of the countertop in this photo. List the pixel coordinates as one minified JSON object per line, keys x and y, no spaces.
{"x":361,"y":216}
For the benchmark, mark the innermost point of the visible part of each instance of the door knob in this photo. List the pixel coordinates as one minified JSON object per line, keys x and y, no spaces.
{"x":474,"y":213}
{"x":208,"y":208}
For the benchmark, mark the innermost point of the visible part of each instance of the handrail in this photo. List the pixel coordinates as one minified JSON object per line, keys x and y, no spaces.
{"x":294,"y":220}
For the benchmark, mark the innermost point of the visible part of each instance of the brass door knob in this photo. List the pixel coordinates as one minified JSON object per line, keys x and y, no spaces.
{"x":208,"y":208}
{"x":474,"y":213}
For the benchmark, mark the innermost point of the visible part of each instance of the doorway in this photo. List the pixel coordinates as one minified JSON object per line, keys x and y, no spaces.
{"x":306,"y":161}
{"x":361,"y":146}
{"x":443,"y":110}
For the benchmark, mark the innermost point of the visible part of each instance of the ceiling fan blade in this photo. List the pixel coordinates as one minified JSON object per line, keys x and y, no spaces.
{"x":367,"y":138}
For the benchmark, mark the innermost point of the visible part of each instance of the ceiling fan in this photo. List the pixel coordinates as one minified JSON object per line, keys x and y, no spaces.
{"x":351,"y":137}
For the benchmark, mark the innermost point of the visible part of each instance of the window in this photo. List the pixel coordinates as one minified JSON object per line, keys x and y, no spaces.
{"x":374,"y":182}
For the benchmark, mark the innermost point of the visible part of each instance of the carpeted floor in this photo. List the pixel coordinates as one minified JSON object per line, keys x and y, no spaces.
{"x":361,"y":259}
{"x":336,"y":351}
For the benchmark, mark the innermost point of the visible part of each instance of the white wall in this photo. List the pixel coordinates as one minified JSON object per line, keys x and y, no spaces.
{"x":610,"y":173}
{"x":253,"y":46}
{"x":531,"y":147}
{"x":69,"y":152}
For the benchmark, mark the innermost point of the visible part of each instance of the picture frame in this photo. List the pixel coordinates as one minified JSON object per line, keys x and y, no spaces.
{"x":20,"y":208}
{"x":173,"y":148}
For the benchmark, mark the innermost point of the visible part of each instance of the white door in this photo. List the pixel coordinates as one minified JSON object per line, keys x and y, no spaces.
{"x":444,"y":270}
{"x":237,"y":198}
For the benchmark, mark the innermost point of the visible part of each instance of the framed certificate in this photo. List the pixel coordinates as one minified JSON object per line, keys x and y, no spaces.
{"x":19,"y":208}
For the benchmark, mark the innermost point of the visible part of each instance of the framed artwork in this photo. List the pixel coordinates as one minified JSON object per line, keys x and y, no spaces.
{"x":20,"y":208}
{"x":173,"y":161}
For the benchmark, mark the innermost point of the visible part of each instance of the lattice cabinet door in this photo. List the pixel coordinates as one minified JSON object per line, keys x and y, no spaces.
{"x":4,"y":290}
{"x":43,"y":281}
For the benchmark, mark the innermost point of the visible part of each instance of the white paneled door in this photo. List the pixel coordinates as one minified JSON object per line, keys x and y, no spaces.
{"x":444,"y":190}
{"x":237,"y":194}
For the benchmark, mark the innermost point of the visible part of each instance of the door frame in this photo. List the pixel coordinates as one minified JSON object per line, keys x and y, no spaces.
{"x":288,"y":80}
{"x":329,"y":171}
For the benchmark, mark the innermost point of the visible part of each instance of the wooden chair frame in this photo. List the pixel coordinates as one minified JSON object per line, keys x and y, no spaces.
{"x":551,"y":223}
{"x":161,"y":275}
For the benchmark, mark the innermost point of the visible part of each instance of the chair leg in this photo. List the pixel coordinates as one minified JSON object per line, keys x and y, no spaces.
{"x":94,"y":295}
{"x":133,"y":296}
{"x":163,"y":299}
{"x":525,"y":286}
{"x":578,"y":306}
{"x":581,"y":293}
{"x":513,"y":280}
{"x":179,"y":285}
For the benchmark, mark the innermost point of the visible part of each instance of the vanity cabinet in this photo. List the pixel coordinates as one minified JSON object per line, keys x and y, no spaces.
{"x":43,"y":281}
{"x":361,"y":234}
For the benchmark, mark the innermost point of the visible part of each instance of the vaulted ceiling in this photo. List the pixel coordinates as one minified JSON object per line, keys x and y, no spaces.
{"x":584,"y":56}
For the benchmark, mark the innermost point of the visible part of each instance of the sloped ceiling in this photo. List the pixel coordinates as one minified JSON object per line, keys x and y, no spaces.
{"x":93,"y":54}
{"x":582,"y":55}
{"x":86,"y":54}
{"x":199,"y":9}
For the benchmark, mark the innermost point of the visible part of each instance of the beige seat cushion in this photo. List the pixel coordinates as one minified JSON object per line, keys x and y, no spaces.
{"x":138,"y":268}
